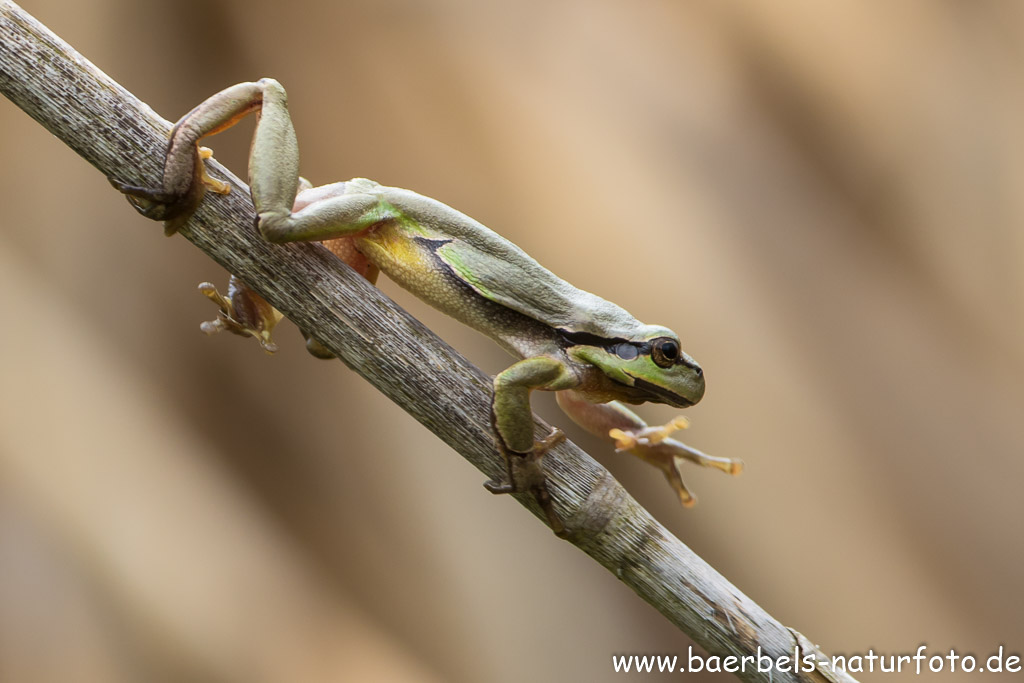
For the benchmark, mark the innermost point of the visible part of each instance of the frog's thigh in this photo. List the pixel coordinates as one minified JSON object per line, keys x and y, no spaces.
{"x":333,"y":216}
{"x":513,"y":419}
{"x":342,"y":247}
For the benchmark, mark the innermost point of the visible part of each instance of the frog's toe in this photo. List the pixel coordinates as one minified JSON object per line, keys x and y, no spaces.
{"x":681,"y":451}
{"x":659,"y":434}
{"x":675,"y":479}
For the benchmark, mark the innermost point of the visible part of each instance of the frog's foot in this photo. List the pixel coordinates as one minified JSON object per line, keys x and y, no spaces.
{"x":526,"y":474}
{"x":242,"y":312}
{"x":159,"y":205}
{"x":174,"y":206}
{"x":628,"y":439}
{"x":218,"y":186}
{"x":653,"y":445}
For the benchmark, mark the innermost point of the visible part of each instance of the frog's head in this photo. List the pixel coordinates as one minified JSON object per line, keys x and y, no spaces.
{"x":652,"y":368}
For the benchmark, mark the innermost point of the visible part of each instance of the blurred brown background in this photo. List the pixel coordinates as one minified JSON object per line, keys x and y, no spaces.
{"x":822,"y":198}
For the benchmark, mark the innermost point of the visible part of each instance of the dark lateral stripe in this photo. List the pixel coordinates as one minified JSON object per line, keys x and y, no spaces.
{"x":606,"y":343}
{"x":589,"y":339}
{"x":609,"y":344}
{"x":433,"y":243}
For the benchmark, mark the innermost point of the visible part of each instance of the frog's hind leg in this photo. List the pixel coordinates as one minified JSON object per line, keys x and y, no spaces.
{"x":333,"y":211}
{"x":185,"y":181}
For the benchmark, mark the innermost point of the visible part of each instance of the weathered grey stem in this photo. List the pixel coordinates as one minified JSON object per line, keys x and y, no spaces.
{"x":125,"y":139}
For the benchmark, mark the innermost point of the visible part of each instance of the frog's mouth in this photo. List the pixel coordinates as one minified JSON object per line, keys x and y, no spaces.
{"x":658,"y":394}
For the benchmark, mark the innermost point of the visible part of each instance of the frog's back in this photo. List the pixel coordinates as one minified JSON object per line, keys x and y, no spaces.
{"x":494,"y":268}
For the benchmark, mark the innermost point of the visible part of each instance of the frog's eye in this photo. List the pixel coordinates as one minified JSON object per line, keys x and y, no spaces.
{"x":665,"y":351}
{"x":626,"y":351}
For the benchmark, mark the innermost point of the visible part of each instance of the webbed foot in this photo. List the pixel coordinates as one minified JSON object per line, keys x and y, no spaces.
{"x":526,"y":474}
{"x":242,"y":312}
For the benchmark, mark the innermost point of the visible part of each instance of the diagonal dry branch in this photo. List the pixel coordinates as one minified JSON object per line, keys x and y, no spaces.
{"x":125,"y":139}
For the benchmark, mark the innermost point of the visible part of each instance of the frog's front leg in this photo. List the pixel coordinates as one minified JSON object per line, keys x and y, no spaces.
{"x":620,"y":425}
{"x":513,"y":423}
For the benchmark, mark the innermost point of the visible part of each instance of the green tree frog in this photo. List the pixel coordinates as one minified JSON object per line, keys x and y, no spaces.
{"x":590,"y":351}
